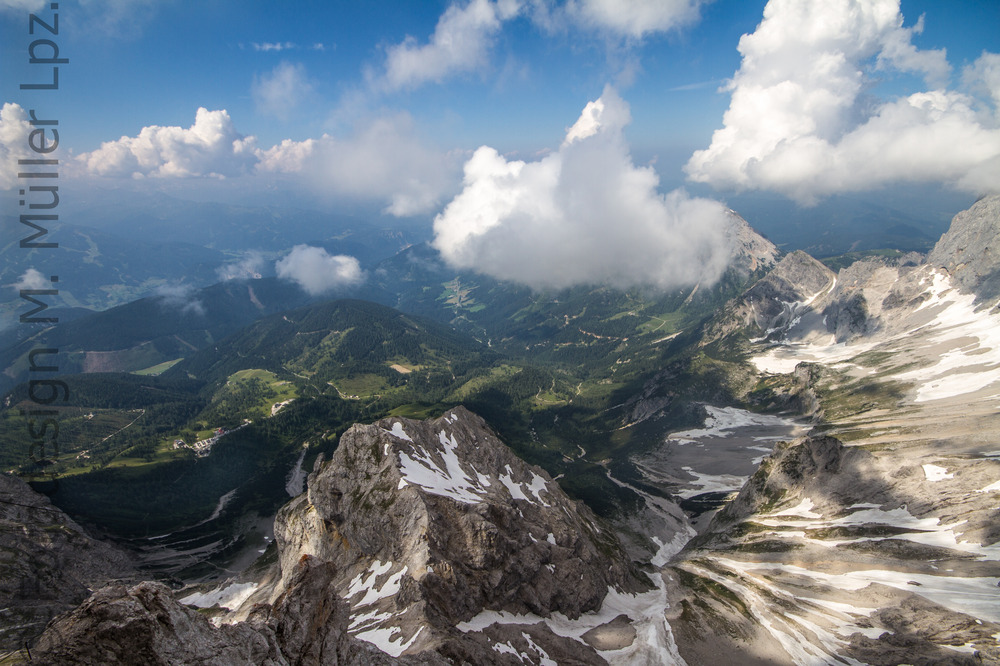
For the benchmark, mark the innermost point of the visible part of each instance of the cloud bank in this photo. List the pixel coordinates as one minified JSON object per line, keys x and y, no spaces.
{"x":317,"y":271}
{"x":582,"y":215}
{"x":383,"y":159}
{"x":210,"y":147}
{"x":801,"y":120}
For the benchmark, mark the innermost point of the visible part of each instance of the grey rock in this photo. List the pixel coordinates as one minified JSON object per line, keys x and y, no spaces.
{"x":970,"y":250}
{"x":51,"y":563}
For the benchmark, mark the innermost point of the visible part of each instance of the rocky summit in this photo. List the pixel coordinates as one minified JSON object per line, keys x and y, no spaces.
{"x":427,"y":541}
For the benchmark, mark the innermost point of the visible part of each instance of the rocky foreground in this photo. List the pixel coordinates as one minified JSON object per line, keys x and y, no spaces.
{"x":423,"y":542}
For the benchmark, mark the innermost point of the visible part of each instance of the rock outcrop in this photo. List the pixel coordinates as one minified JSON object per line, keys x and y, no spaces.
{"x":970,"y":250}
{"x":418,"y":542}
{"x":432,"y":522}
{"x":777,"y":301}
{"x":50,"y":563}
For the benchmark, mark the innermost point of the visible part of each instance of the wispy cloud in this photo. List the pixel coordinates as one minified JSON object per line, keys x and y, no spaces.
{"x":249,"y":266}
{"x":635,"y":19}
{"x":461,"y":43}
{"x":180,"y":297}
{"x":384,"y":158}
{"x":284,"y":46}
{"x":281,"y":90}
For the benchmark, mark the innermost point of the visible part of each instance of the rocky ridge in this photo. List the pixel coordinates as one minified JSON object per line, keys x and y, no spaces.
{"x":873,"y":540}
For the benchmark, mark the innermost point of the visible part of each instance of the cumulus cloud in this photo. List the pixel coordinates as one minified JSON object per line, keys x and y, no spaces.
{"x":634,"y":19}
{"x":280,"y":91}
{"x":582,"y":215}
{"x":14,"y":131}
{"x":460,"y":43}
{"x":801,"y":120}
{"x":180,"y":297}
{"x":32,"y":279}
{"x":384,"y":159}
{"x":317,"y":271}
{"x":251,"y":265}
{"x":210,"y":147}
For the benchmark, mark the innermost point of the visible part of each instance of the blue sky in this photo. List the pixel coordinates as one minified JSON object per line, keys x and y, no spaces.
{"x":386,"y":103}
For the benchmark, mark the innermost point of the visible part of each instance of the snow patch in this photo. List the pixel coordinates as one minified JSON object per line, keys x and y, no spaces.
{"x":399,"y":432}
{"x":366,"y":584}
{"x":451,"y":481}
{"x":711,"y":483}
{"x":804,"y":509}
{"x":229,"y":596}
{"x":935,"y":473}
{"x":388,"y":639}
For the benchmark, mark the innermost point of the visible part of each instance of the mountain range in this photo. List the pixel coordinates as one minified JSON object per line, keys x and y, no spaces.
{"x":794,"y":466}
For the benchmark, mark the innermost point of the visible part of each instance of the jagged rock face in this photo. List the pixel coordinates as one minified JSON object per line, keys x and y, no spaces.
{"x":51,"y":563}
{"x":431,"y":522}
{"x":970,"y":250}
{"x":410,"y":529}
{"x":307,"y":625}
{"x":144,"y":625}
{"x":753,"y":251}
{"x":831,"y":552}
{"x":774,"y":302}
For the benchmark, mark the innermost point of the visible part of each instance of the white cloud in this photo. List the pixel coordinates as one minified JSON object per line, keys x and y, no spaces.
{"x":582,"y":215}
{"x":318,"y":272}
{"x":279,"y":92}
{"x":14,"y":131}
{"x":33,"y":279}
{"x":460,"y":43}
{"x":635,"y":18}
{"x":180,"y":297}
{"x":272,"y":46}
{"x":210,"y":147}
{"x":801,"y":120}
{"x":22,"y":5}
{"x":983,"y":76}
{"x":251,"y":265}
{"x":384,"y":159}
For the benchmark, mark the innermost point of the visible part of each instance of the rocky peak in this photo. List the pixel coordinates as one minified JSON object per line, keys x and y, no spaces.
{"x":776,"y":301}
{"x":752,"y":251}
{"x":970,"y":249}
{"x":429,"y":523}
{"x":418,"y":542}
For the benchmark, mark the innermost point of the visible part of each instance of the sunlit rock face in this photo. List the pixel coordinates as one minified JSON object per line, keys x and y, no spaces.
{"x":970,"y":250}
{"x":875,"y":539}
{"x":426,"y":542}
{"x":432,"y":522}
